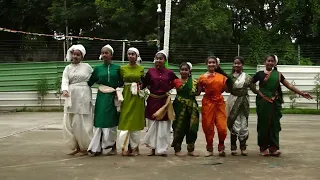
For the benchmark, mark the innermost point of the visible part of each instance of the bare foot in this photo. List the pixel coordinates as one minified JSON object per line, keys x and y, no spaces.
{"x":74,"y":152}
{"x":83,"y":153}
{"x":277,"y":153}
{"x":164,"y":155}
{"x":222,"y":154}
{"x":180,"y":154}
{"x":244,"y":153}
{"x":125,"y":153}
{"x":264,"y":153}
{"x":234,"y":153}
{"x":113,"y":152}
{"x":194,"y":154}
{"x":152,"y":153}
{"x":208,"y":154}
{"x":135,"y":153}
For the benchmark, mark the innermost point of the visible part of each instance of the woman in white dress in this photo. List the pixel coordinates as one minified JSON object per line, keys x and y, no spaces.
{"x":77,"y":121}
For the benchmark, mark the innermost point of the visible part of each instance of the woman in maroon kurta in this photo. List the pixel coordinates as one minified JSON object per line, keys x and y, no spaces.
{"x":159,"y":81}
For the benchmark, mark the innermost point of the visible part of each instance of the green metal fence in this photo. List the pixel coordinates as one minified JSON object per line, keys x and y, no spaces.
{"x":24,"y":76}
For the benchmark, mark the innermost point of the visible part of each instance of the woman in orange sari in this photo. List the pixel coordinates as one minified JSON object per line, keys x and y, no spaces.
{"x":214,"y":82}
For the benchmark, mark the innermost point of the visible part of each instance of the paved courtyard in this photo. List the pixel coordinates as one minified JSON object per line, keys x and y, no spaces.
{"x":31,"y":147}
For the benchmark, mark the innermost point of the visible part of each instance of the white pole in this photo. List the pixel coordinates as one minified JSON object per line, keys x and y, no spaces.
{"x":123,"y":50}
{"x":167,"y":26}
{"x":64,"y":51}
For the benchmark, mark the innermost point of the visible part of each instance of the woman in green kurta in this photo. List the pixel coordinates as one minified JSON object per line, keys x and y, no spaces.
{"x":268,"y":102}
{"x":106,"y":116}
{"x":187,"y":113}
{"x":132,"y":117}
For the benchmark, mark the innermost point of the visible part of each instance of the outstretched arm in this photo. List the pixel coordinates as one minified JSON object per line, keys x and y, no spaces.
{"x":297,"y":91}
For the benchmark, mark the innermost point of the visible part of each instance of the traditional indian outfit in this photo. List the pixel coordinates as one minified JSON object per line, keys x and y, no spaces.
{"x":187,"y":116}
{"x":106,"y":115}
{"x":213,"y":109}
{"x":268,"y":103}
{"x":77,"y":121}
{"x":132,"y":117}
{"x":238,"y":110}
{"x":159,"y":82}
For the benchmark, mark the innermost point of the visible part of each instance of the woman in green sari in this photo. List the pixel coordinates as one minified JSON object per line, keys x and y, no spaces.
{"x":268,"y":102}
{"x":187,"y":113}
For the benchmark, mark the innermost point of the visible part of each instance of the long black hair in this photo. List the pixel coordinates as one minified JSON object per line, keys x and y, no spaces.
{"x":221,"y":71}
{"x":241,"y":59}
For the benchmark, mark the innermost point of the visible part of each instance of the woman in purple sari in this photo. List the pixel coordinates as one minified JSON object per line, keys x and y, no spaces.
{"x":159,"y":81}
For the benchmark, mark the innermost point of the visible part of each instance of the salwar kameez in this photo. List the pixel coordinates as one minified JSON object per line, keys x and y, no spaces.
{"x":106,"y":115}
{"x":268,"y":103}
{"x":159,"y":82}
{"x":77,"y":120}
{"x":132,"y":117}
{"x":213,"y":109}
{"x":238,"y":110}
{"x":186,"y":110}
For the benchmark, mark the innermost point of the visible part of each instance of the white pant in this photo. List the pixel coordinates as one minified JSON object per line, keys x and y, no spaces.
{"x":77,"y":130}
{"x":158,"y":135}
{"x":240,"y":127}
{"x":103,"y":138}
{"x":128,"y":137}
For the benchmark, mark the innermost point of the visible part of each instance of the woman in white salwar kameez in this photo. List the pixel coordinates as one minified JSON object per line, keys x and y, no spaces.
{"x":77,"y":121}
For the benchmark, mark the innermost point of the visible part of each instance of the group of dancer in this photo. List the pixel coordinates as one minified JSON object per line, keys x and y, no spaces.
{"x":121,"y":111}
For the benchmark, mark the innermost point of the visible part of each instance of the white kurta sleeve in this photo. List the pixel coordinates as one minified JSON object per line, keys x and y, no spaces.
{"x":65,"y":80}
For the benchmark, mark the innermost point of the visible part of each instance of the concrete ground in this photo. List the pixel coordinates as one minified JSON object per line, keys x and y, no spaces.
{"x":31,"y":147}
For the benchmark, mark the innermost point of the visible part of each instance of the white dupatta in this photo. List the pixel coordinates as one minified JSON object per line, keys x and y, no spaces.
{"x":241,"y":79}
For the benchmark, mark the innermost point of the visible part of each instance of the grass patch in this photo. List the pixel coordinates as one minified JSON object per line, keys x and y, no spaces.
{"x":291,"y":111}
{"x":38,"y":110}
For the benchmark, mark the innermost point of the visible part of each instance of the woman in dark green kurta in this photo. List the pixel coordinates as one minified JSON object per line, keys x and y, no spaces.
{"x":187,"y":113}
{"x":132,"y":117}
{"x":106,"y":116}
{"x":268,"y":102}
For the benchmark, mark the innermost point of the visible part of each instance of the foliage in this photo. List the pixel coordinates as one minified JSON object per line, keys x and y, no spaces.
{"x":316,"y":89}
{"x":292,"y":97}
{"x":264,"y":27}
{"x":305,"y":61}
{"x":42,"y":89}
{"x":57,"y":87}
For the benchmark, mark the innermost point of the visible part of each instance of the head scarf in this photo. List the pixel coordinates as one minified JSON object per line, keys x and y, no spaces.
{"x":75,"y":47}
{"x":108,"y":47}
{"x":139,"y":60}
{"x":161,"y":52}
{"x":276,"y":59}
{"x":190,"y":65}
{"x":218,"y":61}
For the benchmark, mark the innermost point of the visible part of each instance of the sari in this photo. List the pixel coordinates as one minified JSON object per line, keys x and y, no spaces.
{"x":238,"y":110}
{"x":268,"y":103}
{"x":187,"y":116}
{"x":213,"y":109}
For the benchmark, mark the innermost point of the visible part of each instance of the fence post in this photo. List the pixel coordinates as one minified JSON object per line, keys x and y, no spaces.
{"x":298,"y":54}
{"x":123,"y":50}
{"x":64,"y":50}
